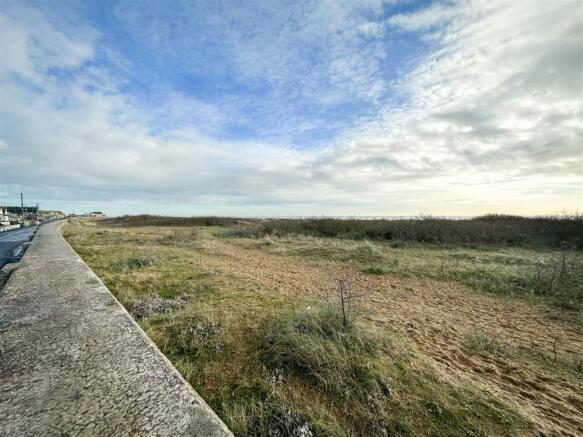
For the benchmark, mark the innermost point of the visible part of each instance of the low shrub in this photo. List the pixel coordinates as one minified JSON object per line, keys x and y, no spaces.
{"x":561,"y":274}
{"x":153,"y":306}
{"x":374,"y":271}
{"x":486,"y":344}
{"x":490,"y":230}
{"x":133,"y":263}
{"x":157,"y":220}
{"x":192,"y":336}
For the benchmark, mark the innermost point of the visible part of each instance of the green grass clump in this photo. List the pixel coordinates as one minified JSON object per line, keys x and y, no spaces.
{"x":268,"y":415}
{"x":486,"y":344}
{"x":132,"y":263}
{"x":316,"y":345}
{"x":366,"y":378}
{"x":374,"y":271}
{"x":192,"y":336}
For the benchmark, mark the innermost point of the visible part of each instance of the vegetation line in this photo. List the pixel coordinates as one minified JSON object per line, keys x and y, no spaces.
{"x":490,"y":230}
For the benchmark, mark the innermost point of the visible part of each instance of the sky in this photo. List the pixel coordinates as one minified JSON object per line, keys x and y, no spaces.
{"x":292,"y":108}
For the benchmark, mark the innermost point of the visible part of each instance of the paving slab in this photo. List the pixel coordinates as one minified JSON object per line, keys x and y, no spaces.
{"x":74,"y":362}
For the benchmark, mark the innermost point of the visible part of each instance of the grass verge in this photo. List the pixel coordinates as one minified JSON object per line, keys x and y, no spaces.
{"x":276,"y":365}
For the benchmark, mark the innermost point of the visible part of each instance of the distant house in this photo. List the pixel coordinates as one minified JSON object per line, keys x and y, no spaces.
{"x":45,"y":215}
{"x":4,"y":218}
{"x":96,"y":214}
{"x":20,"y":211}
{"x":7,"y":218}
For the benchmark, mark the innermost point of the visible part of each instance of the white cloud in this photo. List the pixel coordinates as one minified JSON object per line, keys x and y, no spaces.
{"x":14,"y":48}
{"x":493,"y":120}
{"x":30,"y":45}
{"x":289,"y":45}
{"x":436,"y":14}
{"x":496,"y":101}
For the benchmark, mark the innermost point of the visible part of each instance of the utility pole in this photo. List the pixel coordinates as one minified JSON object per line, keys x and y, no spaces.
{"x":22,"y":208}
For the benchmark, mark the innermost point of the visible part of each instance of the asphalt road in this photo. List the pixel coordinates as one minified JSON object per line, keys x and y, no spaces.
{"x":11,"y":241}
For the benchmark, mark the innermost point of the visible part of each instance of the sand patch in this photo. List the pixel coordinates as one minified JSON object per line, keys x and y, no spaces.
{"x":437,"y":316}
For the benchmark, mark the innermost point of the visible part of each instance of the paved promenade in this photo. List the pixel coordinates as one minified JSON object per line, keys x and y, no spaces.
{"x":73,"y":362}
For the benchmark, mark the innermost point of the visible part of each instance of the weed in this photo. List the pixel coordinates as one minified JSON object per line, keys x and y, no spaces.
{"x":193,"y":335}
{"x":487,"y":344}
{"x":132,"y":263}
{"x":180,"y":237}
{"x":346,"y":300}
{"x":271,"y":417}
{"x":152,"y":305}
{"x":560,"y":275}
{"x":374,"y":271}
